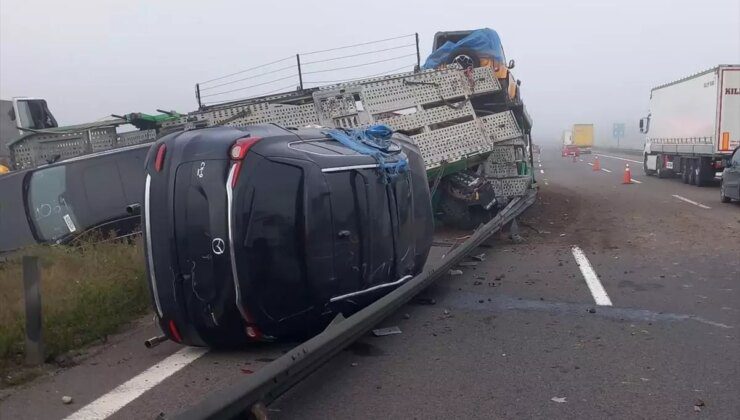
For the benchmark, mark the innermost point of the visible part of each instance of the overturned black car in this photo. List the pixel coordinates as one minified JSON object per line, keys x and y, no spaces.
{"x":262,"y":233}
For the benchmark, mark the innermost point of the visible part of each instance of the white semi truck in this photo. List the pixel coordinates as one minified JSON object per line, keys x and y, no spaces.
{"x":693,"y":125}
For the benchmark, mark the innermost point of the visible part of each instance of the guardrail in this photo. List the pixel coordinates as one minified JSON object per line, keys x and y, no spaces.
{"x":268,"y":383}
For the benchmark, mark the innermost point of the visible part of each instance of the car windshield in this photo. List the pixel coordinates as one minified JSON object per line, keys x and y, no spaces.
{"x":53,"y":216}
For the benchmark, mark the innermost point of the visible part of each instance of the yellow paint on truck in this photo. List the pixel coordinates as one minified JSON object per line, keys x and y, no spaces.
{"x":583,"y":135}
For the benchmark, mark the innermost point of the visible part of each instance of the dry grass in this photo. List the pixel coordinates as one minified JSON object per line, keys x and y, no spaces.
{"x":87,"y":292}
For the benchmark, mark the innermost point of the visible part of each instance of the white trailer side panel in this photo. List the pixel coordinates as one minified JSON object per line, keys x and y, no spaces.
{"x":729,"y":109}
{"x":685,"y":111}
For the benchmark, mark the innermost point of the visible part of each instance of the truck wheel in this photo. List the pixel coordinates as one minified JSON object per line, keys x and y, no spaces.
{"x":685,"y":171}
{"x":722,"y":197}
{"x":699,"y":173}
{"x":692,"y":171}
{"x":455,"y":213}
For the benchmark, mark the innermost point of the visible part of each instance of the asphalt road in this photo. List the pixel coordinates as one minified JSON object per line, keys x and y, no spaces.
{"x":519,"y":335}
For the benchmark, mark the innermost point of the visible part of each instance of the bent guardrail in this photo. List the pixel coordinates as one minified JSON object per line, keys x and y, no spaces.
{"x":268,"y":383}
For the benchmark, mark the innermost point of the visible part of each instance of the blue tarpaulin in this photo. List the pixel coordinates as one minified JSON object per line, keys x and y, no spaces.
{"x":484,"y":41}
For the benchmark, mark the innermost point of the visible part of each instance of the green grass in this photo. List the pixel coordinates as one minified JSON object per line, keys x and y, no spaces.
{"x":87,"y":293}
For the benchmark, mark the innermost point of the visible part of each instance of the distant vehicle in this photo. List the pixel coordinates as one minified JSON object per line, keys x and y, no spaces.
{"x":729,"y":188}
{"x":693,"y":125}
{"x":566,"y":138}
{"x":583,"y":137}
{"x":268,"y":232}
{"x":18,"y":115}
{"x":571,"y":150}
{"x":60,"y":202}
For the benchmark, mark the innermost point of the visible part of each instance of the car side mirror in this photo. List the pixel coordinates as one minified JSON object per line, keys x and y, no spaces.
{"x":511,"y":65}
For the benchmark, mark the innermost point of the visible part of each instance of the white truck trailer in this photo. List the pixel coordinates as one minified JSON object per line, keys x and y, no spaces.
{"x":693,"y":125}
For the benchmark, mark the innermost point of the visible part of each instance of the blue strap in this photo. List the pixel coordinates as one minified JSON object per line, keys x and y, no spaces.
{"x":374,"y":141}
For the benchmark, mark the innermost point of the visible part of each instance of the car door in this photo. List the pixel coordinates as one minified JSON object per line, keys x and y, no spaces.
{"x":731,"y":177}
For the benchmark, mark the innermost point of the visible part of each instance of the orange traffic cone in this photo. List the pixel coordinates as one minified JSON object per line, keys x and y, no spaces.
{"x":627,"y":179}
{"x":597,"y":165}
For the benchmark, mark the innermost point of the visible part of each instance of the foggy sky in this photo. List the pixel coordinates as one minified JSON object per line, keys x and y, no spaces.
{"x":579,"y":61}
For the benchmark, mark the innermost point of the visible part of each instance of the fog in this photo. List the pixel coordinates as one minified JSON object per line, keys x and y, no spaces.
{"x":579,"y":61}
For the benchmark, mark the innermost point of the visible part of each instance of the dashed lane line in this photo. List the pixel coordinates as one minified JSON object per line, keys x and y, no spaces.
{"x":635,"y":181}
{"x":592,"y":280}
{"x":620,"y":158}
{"x":691,"y":201}
{"x":606,"y":170}
{"x":132,"y":389}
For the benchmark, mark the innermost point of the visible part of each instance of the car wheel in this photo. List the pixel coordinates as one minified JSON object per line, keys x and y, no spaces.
{"x":465,"y":57}
{"x":692,"y":172}
{"x":722,"y":197}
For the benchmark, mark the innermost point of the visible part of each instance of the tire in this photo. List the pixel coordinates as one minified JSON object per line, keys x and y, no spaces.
{"x":722,"y":197}
{"x":685,"y":172}
{"x":699,"y":175}
{"x":465,"y":57}
{"x":455,"y":213}
{"x":692,"y":172}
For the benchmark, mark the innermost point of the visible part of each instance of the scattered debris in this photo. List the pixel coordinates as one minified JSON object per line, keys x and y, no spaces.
{"x":354,"y":364}
{"x":67,"y":399}
{"x":425,"y":301}
{"x":456,"y":272}
{"x":480,"y":257}
{"x":406,"y":316}
{"x":467,"y":264}
{"x":477,"y":283}
{"x":247,"y":371}
{"x":562,"y":234}
{"x":699,"y":404}
{"x":481,"y":301}
{"x":446,"y":312}
{"x":381,"y":332}
{"x":591,"y":310}
{"x":559,"y":399}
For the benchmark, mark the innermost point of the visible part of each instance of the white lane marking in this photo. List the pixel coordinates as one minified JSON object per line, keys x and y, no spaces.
{"x":606,"y":170}
{"x":592,"y":280}
{"x":542,"y":171}
{"x":590,"y":163}
{"x":691,"y":201}
{"x":620,"y":158}
{"x":635,"y":181}
{"x":580,"y":160}
{"x":132,"y":389}
{"x":539,"y":164}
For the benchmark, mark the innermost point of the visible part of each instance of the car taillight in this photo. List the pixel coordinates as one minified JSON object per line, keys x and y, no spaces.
{"x":253,"y":332}
{"x":238,"y":152}
{"x":174,"y":331}
{"x":159,"y":160}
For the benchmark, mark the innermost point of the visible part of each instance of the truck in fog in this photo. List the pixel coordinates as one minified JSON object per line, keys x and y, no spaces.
{"x":693,"y":125}
{"x":583,"y":137}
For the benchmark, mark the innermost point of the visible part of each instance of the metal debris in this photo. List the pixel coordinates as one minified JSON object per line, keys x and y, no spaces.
{"x":467,"y":264}
{"x":67,"y":399}
{"x":381,"y":332}
{"x":559,"y":399}
{"x":456,"y":272}
{"x":480,"y":257}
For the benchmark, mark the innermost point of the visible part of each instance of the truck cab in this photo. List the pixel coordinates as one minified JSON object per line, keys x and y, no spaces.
{"x":17,"y":116}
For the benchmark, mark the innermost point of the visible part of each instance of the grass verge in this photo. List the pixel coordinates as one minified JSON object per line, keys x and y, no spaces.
{"x":87,"y":292}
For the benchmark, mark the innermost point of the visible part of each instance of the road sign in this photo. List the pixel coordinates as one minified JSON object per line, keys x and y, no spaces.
{"x":618,"y":131}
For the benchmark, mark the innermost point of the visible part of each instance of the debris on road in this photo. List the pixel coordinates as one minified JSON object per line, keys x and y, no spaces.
{"x":477,"y":283}
{"x":480,"y":257}
{"x":247,"y":371}
{"x":559,"y":399}
{"x":456,"y":272}
{"x":591,"y":310}
{"x":425,"y":301}
{"x":67,"y":399}
{"x":406,"y":316}
{"x":354,"y":364}
{"x":699,"y":404}
{"x":381,"y":332}
{"x":467,"y":264}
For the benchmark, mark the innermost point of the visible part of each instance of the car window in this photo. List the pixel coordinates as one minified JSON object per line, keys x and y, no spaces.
{"x":52,"y":214}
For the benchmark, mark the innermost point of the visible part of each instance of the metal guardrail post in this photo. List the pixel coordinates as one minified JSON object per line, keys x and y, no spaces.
{"x":300,"y":74}
{"x":32,"y":295}
{"x":418,"y":56}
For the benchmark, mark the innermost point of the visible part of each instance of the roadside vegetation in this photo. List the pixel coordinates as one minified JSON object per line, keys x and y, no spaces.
{"x":87,"y":291}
